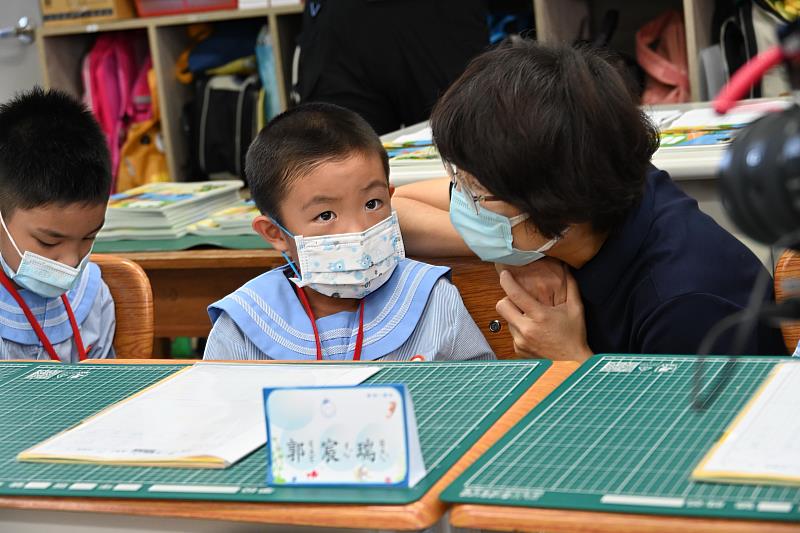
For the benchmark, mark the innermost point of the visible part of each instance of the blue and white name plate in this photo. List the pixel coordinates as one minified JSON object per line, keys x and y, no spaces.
{"x":364,"y":435}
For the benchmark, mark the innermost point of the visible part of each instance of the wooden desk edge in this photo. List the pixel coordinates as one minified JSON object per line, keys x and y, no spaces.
{"x":213,"y":259}
{"x":508,"y":518}
{"x":414,"y":516}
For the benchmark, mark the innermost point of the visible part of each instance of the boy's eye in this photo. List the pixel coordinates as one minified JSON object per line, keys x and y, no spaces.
{"x":326,"y":216}
{"x":46,"y":244}
{"x":374,"y":204}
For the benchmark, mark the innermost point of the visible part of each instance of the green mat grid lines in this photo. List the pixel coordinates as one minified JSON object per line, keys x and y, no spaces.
{"x":621,"y":435}
{"x":455,"y":403}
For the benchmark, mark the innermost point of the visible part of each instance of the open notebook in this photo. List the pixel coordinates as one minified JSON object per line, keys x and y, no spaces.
{"x":762,"y":444}
{"x":209,"y":415}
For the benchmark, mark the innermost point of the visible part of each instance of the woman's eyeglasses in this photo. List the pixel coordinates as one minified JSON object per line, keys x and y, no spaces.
{"x":459,"y":184}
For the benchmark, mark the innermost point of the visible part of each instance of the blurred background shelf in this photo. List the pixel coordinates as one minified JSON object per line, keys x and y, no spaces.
{"x":62,"y":48}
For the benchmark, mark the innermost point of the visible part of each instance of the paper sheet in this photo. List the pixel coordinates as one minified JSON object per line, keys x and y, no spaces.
{"x":662,"y":117}
{"x":423,"y":135}
{"x":739,"y":115}
{"x":210,"y":415}
{"x":762,"y":444}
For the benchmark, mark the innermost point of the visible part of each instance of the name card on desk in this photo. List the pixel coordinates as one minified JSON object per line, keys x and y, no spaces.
{"x":364,"y":435}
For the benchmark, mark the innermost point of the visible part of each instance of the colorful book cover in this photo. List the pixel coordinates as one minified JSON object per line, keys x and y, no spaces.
{"x":158,"y":196}
{"x":428,"y":152}
{"x":671,"y":139}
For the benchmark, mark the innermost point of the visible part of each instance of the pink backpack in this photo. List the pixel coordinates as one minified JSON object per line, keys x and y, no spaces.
{"x":142,"y":158}
{"x":140,"y":103}
{"x":110,"y":74}
{"x":661,"y":52}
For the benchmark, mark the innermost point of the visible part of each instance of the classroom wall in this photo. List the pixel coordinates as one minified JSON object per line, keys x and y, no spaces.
{"x":19,"y":63}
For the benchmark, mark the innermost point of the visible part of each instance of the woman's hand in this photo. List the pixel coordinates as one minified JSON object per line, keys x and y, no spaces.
{"x":545,"y":279}
{"x":541,"y":330}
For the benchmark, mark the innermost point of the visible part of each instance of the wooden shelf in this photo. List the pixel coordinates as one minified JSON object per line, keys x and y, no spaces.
{"x":62,"y":48}
{"x":170,"y":20}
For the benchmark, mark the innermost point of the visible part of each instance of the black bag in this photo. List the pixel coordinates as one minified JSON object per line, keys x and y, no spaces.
{"x":743,"y":29}
{"x":221,"y":123}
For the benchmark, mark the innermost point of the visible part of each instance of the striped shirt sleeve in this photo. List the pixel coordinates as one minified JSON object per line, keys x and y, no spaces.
{"x":446,"y":331}
{"x":226,"y":341}
{"x":100,"y":326}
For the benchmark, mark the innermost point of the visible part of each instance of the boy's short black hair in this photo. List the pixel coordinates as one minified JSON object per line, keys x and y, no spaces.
{"x":297,"y":141}
{"x":52,"y":151}
{"x":551,"y":129}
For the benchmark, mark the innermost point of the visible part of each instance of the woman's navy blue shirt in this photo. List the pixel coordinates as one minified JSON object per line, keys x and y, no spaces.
{"x":666,"y":276}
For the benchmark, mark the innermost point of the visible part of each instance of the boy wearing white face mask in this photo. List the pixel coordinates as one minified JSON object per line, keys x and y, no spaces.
{"x":55,"y":179}
{"x":319,"y":175}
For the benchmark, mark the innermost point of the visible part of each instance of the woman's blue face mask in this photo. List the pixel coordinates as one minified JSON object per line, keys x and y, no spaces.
{"x":488,"y":234}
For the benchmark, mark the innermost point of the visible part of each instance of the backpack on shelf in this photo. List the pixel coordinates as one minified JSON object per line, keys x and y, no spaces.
{"x":221,"y":122}
{"x":142,"y":158}
{"x":109,"y":73}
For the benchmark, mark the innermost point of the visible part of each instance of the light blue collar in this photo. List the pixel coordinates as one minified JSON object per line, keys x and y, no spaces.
{"x":269,"y":313}
{"x":50,"y":312}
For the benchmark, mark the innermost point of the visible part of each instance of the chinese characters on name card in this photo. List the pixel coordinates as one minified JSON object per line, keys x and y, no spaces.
{"x":365,"y":435}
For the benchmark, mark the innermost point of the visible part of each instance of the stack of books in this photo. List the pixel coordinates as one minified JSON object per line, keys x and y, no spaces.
{"x":165,"y":210}
{"x":704,"y":127}
{"x":412,"y":157}
{"x":236,"y":219}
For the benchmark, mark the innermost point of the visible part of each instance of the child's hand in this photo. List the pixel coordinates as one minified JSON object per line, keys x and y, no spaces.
{"x":545,"y":280}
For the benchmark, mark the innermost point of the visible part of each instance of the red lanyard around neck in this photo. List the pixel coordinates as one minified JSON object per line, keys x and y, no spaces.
{"x":359,"y":338}
{"x":76,"y":334}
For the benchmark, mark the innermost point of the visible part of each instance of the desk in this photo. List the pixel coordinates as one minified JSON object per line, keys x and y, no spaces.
{"x":499,"y":518}
{"x":418,"y":515}
{"x":649,"y":435}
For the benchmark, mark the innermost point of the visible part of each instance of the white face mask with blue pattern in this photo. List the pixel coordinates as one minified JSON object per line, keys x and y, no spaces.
{"x":46,"y":277}
{"x":348,"y":265}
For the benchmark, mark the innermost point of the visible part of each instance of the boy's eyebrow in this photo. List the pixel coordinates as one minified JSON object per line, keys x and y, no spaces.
{"x":98,"y":228}
{"x":319,"y":199}
{"x":374,"y":184}
{"x":57,"y":235}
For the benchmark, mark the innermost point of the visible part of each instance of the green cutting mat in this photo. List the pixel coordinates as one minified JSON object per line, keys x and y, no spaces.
{"x":620,"y":435}
{"x":233,"y":242}
{"x":455,"y":403}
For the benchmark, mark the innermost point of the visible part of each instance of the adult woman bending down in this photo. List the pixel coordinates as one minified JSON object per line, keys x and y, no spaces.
{"x":549,"y":156}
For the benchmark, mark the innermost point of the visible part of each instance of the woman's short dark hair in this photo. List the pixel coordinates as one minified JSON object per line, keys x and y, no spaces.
{"x":551,"y":129}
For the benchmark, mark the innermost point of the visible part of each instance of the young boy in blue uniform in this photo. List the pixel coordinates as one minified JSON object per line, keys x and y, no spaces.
{"x":319,"y":175}
{"x":55,"y":178}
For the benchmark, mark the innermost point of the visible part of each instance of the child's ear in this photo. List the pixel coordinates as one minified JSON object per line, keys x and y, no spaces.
{"x":271,"y":233}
